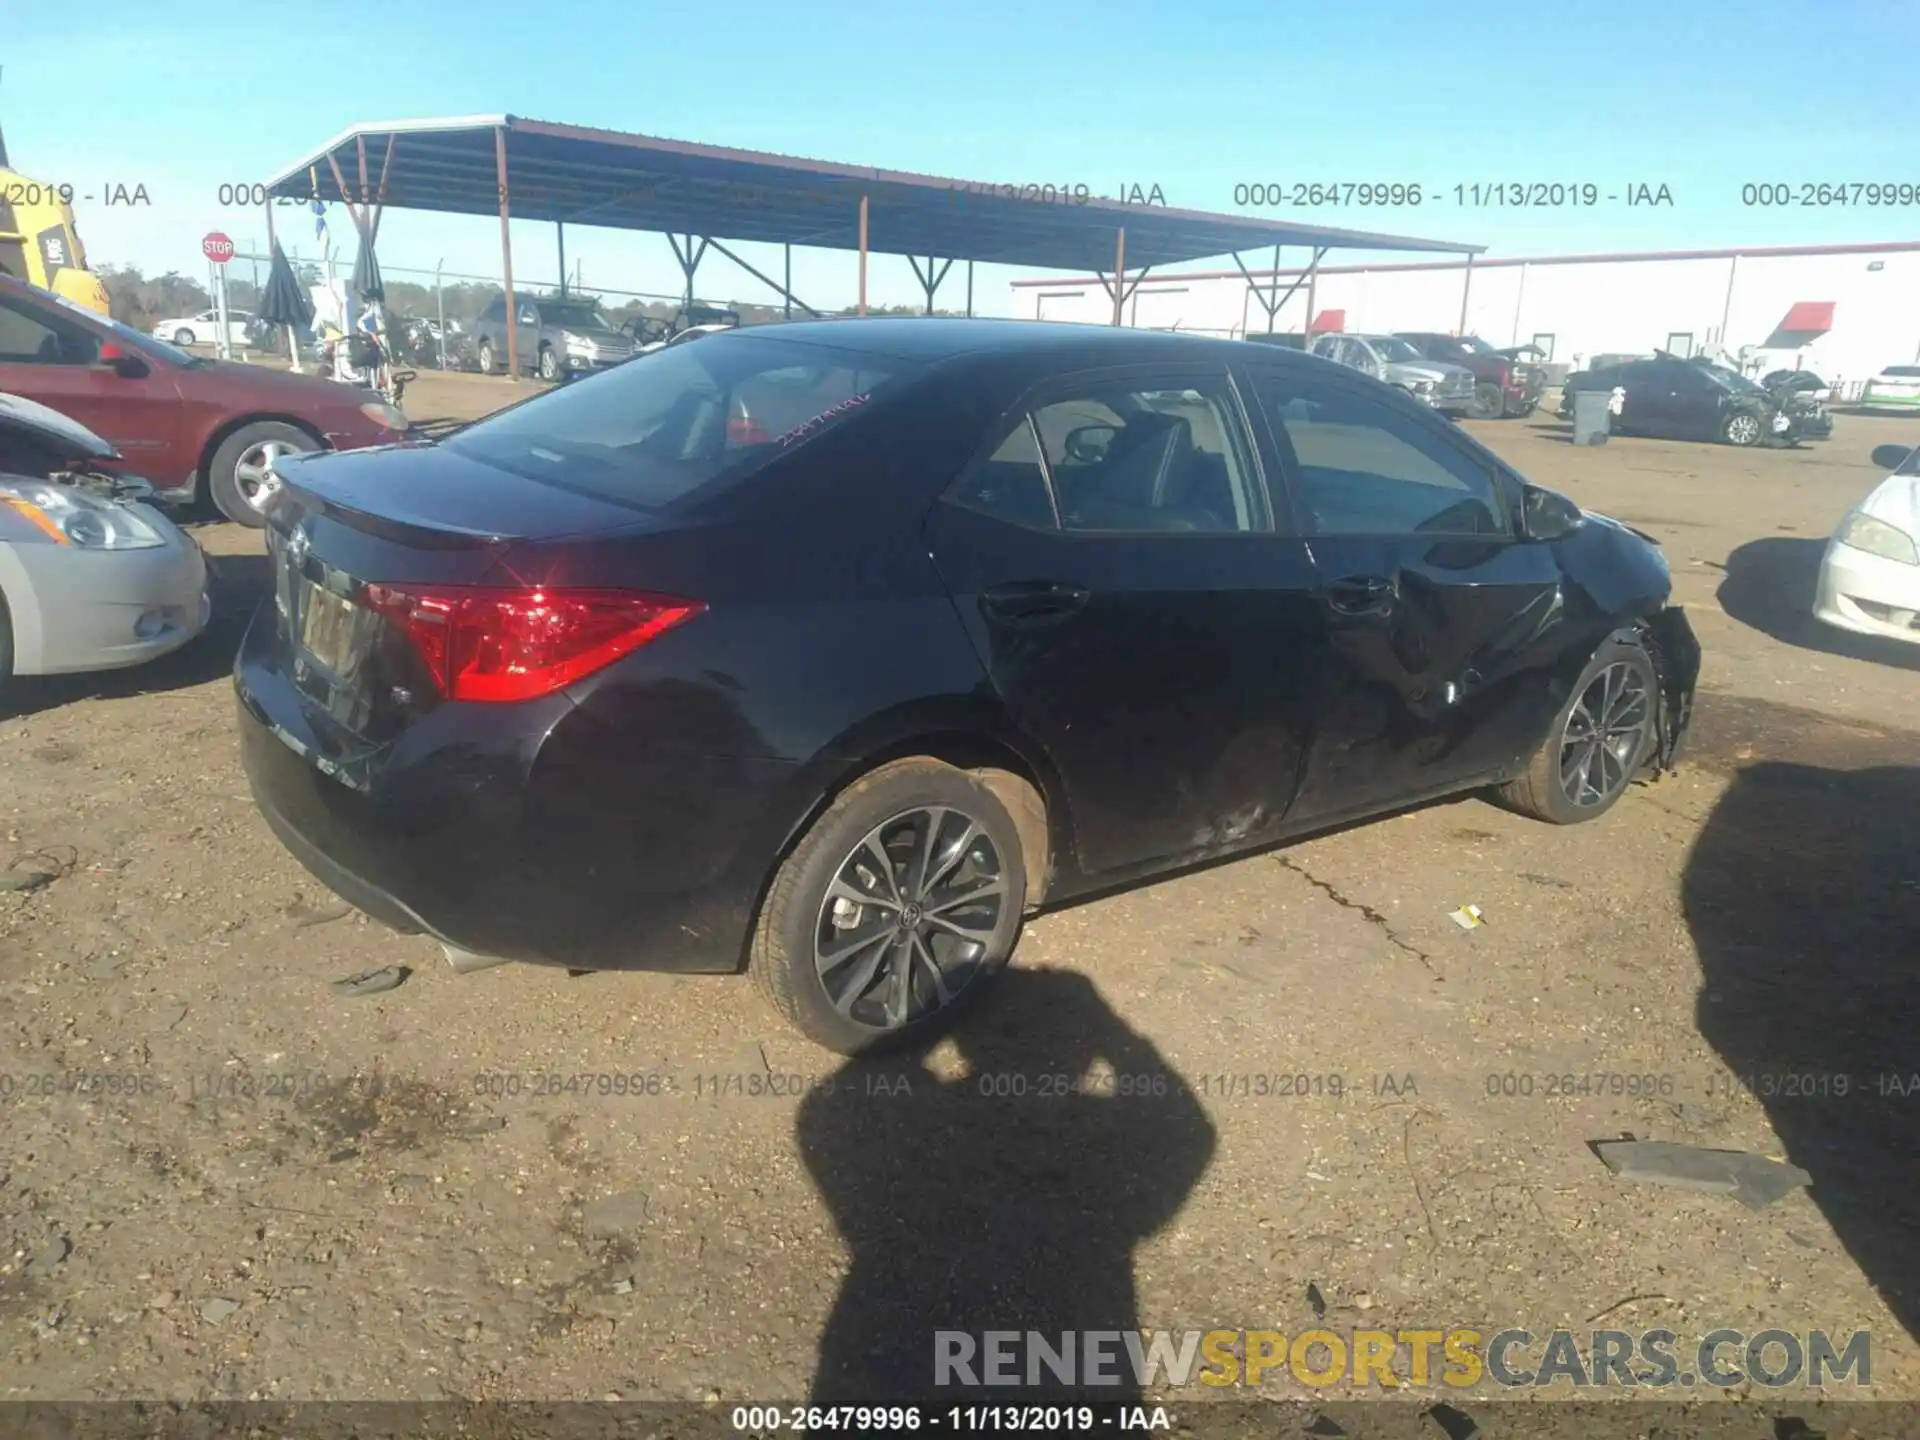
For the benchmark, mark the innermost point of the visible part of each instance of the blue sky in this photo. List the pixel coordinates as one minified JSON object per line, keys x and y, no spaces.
{"x":1194,"y":98}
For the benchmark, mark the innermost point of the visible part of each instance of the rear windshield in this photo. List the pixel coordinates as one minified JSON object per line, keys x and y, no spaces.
{"x":1903,"y":372}
{"x":654,"y":430}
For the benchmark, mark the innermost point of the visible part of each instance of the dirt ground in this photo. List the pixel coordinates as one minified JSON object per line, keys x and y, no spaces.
{"x":219,"y":1180}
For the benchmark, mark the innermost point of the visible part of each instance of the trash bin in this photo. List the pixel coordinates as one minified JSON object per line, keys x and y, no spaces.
{"x":1591,"y":419}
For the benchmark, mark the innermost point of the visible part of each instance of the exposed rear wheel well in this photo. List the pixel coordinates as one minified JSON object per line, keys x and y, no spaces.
{"x":997,"y":766}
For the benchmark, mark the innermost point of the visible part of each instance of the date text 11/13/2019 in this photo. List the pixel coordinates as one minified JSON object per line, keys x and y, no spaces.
{"x":1479,"y":195}
{"x":962,"y":191}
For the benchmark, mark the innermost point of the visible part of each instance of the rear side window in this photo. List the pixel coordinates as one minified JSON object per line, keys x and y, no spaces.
{"x":1364,"y":467}
{"x":29,"y":336}
{"x":654,"y":430}
{"x":1009,"y":484}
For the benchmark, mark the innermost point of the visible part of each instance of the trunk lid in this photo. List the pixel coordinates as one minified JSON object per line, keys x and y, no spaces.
{"x":347,"y":529}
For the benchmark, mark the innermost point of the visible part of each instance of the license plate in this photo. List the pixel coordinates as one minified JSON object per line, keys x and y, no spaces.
{"x":330,"y":628}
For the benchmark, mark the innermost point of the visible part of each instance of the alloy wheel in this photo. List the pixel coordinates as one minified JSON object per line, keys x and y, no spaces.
{"x":1605,"y":735}
{"x":909,"y":916}
{"x":486,"y":358}
{"x":1743,"y":429}
{"x":253,"y":473}
{"x":1489,"y":403}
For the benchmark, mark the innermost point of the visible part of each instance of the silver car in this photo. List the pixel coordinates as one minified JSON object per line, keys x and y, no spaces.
{"x":1448,"y":388}
{"x":91,"y":578}
{"x":557,"y":338}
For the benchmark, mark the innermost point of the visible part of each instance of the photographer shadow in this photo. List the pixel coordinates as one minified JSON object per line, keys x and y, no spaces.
{"x":1007,"y":1200}
{"x":1802,"y":898}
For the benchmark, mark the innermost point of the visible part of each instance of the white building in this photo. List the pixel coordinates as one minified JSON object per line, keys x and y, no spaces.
{"x":1844,"y":311}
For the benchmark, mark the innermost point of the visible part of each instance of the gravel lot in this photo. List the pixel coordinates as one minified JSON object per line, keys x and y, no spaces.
{"x":242,"y":1186}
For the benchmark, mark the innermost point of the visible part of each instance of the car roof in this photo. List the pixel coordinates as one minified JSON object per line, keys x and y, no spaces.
{"x":932,"y":339}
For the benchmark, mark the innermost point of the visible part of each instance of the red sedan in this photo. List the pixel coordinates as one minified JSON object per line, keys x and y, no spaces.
{"x":197,"y":429}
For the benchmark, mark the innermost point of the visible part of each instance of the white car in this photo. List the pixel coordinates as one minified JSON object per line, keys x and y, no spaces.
{"x":1895,"y":388}
{"x":91,"y":576}
{"x":204,"y":328}
{"x":1870,"y":575}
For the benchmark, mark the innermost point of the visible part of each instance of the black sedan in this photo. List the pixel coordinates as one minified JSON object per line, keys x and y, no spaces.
{"x":829,"y":653}
{"x":1681,"y":400}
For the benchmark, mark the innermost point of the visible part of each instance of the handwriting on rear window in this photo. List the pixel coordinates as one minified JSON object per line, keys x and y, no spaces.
{"x":807,"y":427}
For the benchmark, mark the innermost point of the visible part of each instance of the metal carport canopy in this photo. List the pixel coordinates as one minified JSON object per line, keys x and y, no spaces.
{"x":576,"y":175}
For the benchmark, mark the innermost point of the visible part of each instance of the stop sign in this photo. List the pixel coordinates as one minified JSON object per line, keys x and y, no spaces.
{"x":217,"y":247}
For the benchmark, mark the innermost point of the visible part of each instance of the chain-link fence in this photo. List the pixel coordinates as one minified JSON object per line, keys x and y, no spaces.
{"x":431,"y":313}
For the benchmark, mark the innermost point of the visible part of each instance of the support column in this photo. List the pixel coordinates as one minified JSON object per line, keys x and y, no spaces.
{"x":506,"y":256}
{"x":1119,"y":273}
{"x":1313,"y":280}
{"x":1276,"y":289}
{"x":690,"y":263}
{"x":1726,"y":309}
{"x":1466,"y":291}
{"x":969,"y":289}
{"x":787,"y":285}
{"x":863,"y":255}
{"x":560,"y":234}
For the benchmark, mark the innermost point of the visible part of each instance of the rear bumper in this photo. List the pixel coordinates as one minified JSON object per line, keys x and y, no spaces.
{"x":521,"y":831}
{"x":79,"y":610}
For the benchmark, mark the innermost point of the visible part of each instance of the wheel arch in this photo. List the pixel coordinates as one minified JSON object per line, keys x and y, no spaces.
{"x":227,"y":429}
{"x":970,"y":734}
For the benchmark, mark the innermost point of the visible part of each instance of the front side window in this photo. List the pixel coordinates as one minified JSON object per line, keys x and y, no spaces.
{"x":1140,"y":458}
{"x":650,"y":432}
{"x":1364,"y":467}
{"x":1399,"y":352}
{"x":32,"y":336}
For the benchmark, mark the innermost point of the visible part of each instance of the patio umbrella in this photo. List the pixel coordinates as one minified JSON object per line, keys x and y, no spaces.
{"x":283,"y":302}
{"x":367,"y":283}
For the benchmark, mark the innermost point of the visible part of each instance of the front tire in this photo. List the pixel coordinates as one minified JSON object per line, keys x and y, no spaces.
{"x":1742,"y":428}
{"x":1598,"y":742}
{"x":486,"y":357}
{"x":549,"y":363}
{"x":239,"y":479}
{"x":183,"y":336}
{"x":895,"y":911}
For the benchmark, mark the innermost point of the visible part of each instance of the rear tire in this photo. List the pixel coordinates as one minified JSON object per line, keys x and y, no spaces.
{"x":1598,"y":742}
{"x":485,"y":359}
{"x":1489,"y":403}
{"x":915,"y":978}
{"x":234,"y":478}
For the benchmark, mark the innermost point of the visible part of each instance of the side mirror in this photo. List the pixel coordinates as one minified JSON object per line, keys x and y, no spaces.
{"x":112,"y":357}
{"x":1088,"y":443}
{"x":1548,"y":515}
{"x":1890,"y":457}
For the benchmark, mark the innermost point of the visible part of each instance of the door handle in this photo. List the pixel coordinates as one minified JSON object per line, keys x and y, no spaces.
{"x":1033,"y":602}
{"x":1361,"y":595}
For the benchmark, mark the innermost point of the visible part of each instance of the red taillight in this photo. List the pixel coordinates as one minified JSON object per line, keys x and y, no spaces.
{"x":502,"y":645}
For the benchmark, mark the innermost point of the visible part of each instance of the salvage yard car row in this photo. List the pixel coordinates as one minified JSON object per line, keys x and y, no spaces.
{"x":1048,"y":568}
